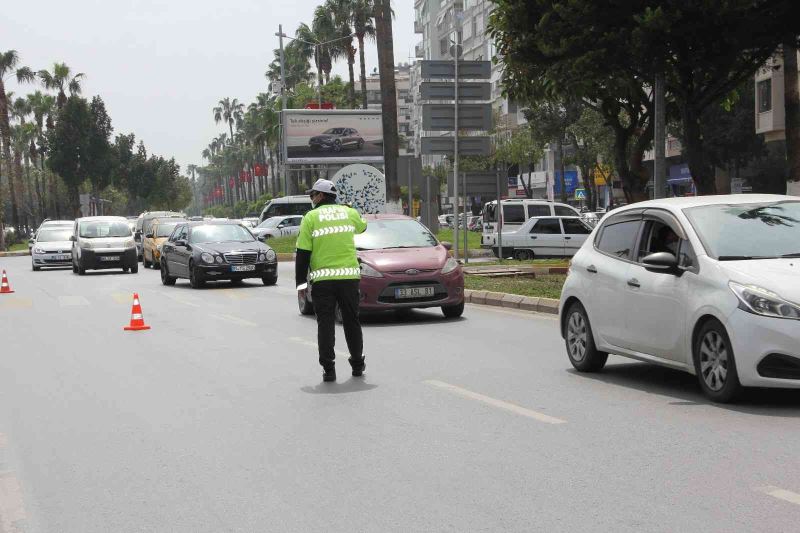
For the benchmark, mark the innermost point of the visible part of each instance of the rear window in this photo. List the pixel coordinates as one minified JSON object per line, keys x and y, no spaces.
{"x":619,"y":239}
{"x":514,"y":214}
{"x":575,"y":227}
{"x":563,"y":211}
{"x":547,"y":226}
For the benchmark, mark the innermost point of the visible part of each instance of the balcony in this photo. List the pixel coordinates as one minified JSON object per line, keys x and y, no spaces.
{"x":419,"y":50}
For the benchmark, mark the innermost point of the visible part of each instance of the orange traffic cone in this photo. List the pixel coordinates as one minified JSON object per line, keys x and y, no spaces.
{"x":137,"y":320}
{"x":5,"y":288}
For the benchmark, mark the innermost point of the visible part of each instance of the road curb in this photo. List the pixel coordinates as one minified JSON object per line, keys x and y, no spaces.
{"x":512,"y":301}
{"x":23,"y":253}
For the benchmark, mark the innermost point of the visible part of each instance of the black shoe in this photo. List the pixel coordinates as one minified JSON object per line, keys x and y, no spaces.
{"x":358,"y":371}
{"x":329,"y":375}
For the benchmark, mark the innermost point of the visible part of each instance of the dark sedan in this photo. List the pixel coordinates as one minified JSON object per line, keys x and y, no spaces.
{"x":336,"y":139}
{"x":216,"y":250}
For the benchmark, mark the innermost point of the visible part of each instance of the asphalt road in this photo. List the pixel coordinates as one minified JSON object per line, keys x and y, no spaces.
{"x":217,"y":420}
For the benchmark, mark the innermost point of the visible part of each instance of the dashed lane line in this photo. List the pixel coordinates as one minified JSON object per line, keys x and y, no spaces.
{"x":500,"y":404}
{"x":72,"y":301}
{"x":235,"y":320}
{"x":15,"y":302}
{"x":781,"y":494}
{"x":180,"y":300}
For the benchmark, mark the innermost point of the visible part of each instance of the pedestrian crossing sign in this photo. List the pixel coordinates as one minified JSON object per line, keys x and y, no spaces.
{"x":580,"y":194}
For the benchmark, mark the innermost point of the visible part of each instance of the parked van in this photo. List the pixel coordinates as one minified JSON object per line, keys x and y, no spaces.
{"x":144,"y":225}
{"x":286,"y":205}
{"x":516,"y":212}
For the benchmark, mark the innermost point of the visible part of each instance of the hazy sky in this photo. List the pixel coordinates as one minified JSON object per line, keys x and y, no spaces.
{"x":161,"y":66}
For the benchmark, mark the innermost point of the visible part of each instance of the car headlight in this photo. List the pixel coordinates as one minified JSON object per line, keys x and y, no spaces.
{"x":271,"y":255}
{"x":38,"y":251}
{"x":207,"y":257}
{"x":764,"y":302}
{"x":369,"y":272}
{"x":86,"y":245}
{"x":449,"y":265}
{"x":219,"y":259}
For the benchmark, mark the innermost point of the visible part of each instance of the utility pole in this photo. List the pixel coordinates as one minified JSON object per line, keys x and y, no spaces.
{"x":659,"y":170}
{"x":456,"y":175}
{"x":283,"y":111}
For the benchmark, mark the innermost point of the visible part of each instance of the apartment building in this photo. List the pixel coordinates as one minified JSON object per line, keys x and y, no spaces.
{"x":402,"y":73}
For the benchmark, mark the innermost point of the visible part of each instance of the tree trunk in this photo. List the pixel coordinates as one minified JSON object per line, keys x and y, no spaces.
{"x":587,"y":186}
{"x":74,"y":200}
{"x":363,"y":70}
{"x":702,"y":172}
{"x":351,"y":87}
{"x":792,"y":104}
{"x":5,"y":136}
{"x":383,"y":27}
{"x":17,"y":192}
{"x":563,"y":179}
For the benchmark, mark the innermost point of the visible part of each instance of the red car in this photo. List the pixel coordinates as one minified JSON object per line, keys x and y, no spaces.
{"x":403,"y":266}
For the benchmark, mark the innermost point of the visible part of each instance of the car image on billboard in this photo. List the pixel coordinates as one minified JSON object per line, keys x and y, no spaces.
{"x":334,"y":136}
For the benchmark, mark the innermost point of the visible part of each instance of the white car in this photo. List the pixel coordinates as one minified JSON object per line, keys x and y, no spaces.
{"x":50,"y":224}
{"x":51,"y":247}
{"x":278,"y":227}
{"x":545,"y":237}
{"x":708,"y":285}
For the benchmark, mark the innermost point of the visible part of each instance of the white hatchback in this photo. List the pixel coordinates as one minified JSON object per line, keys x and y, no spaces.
{"x":709,"y":285}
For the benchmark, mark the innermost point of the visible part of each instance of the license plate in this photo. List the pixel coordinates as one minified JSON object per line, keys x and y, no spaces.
{"x":109,"y":258}
{"x":414,"y":292}
{"x":62,"y":257}
{"x":243,"y":268}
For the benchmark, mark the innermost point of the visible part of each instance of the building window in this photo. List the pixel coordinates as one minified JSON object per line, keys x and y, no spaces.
{"x":444,"y":47}
{"x":765,"y":95}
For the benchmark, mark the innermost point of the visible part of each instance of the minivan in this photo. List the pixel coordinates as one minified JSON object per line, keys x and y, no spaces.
{"x":299,"y":204}
{"x":101,"y":243}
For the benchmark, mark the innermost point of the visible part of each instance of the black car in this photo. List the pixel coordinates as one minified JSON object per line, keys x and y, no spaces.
{"x":216,"y":250}
{"x":336,"y":139}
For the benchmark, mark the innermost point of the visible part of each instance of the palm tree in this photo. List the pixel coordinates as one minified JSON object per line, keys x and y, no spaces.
{"x":325,"y":31}
{"x":306,"y":47}
{"x":9,"y":66}
{"x":363,"y":15}
{"x":229,"y":111}
{"x":61,"y":80}
{"x":42,"y":106}
{"x":22,"y":138}
{"x":341,"y":12}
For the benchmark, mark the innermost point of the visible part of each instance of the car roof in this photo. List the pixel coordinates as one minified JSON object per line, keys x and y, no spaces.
{"x":386,"y":216}
{"x":193,"y":223}
{"x":684,"y":202}
{"x":102,"y":218}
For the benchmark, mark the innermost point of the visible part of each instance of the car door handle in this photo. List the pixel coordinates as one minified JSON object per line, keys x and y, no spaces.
{"x":592,"y":269}
{"x":633,"y":282}
{"x":567,"y":238}
{"x":533,"y":236}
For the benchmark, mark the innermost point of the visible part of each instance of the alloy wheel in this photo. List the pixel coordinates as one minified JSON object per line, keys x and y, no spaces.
{"x":714,"y":360}
{"x":577,"y":336}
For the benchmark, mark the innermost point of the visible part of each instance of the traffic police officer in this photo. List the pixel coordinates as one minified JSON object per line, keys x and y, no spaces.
{"x":326,"y":257}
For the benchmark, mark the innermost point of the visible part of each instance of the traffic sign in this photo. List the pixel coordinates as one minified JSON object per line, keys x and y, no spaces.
{"x":445,"y":90}
{"x":478,"y":183}
{"x":446,"y":70}
{"x":580,"y":194}
{"x":441,"y":117}
{"x":466,"y":145}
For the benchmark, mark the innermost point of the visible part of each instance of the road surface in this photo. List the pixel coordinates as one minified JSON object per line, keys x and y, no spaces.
{"x":217,"y":420}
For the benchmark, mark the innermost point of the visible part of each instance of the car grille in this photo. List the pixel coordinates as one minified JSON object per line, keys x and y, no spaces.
{"x":241,"y":258}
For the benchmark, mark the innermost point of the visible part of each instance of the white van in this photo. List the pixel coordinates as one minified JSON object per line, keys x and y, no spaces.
{"x":286,"y":205}
{"x":516,"y":212}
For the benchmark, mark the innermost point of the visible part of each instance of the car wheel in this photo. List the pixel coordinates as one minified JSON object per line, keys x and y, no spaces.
{"x":337,"y":145}
{"x":453,"y":311}
{"x":193,"y":278}
{"x":360,"y":144}
{"x":523,"y":255}
{"x":582,"y":352}
{"x":306,"y":307}
{"x":166,"y":279}
{"x":135,"y":268}
{"x":35,"y":268}
{"x":145,"y":262}
{"x":81,"y":270}
{"x":715,"y":364}
{"x":269,"y":280}
{"x":125,"y":269}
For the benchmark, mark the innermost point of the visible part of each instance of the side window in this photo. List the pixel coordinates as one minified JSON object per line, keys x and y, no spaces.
{"x":184,"y":234}
{"x":686,"y":256}
{"x":538,"y":211}
{"x":658,"y":237}
{"x":513,"y":214}
{"x":562,"y":211}
{"x":575,"y":227}
{"x":546,"y":226}
{"x":619,"y":239}
{"x":299,"y":209}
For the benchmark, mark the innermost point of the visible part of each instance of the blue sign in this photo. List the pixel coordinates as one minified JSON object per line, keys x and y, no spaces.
{"x":679,"y":174}
{"x":570,"y":180}
{"x":580,"y":194}
{"x":512,"y":182}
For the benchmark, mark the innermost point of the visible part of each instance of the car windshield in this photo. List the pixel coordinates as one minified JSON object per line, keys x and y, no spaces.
{"x":335,"y":131}
{"x":271,"y":222}
{"x":220,"y":233}
{"x":382,"y":234}
{"x":748,"y":231}
{"x":103,"y":228}
{"x":165,"y":230}
{"x":54,"y":235}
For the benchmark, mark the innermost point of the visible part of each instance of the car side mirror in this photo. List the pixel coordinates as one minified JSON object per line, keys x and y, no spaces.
{"x":73,"y":238}
{"x":281,"y":226}
{"x":447,"y":245}
{"x":181,"y":242}
{"x":661,"y":262}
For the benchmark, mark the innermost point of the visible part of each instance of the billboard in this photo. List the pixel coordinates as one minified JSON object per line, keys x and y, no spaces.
{"x":333,"y":136}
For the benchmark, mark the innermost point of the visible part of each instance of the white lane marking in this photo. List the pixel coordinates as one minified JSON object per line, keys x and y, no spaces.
{"x":500,"y":404}
{"x":235,"y":320}
{"x":12,"y":508}
{"x":72,"y":301}
{"x":781,"y":494}
{"x":123,"y":297}
{"x":180,"y":300}
{"x":15,"y":302}
{"x":313,"y":344}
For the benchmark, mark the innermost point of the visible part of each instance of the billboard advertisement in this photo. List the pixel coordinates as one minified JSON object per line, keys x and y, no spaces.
{"x":333,"y":136}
